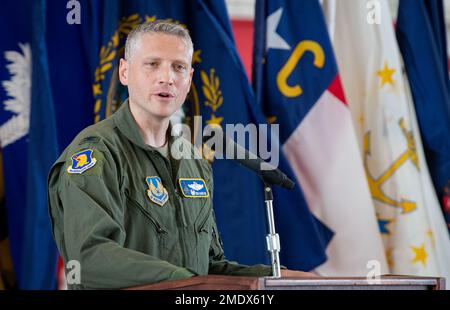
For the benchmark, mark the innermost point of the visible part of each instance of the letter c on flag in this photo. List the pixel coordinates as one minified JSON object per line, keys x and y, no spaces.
{"x":300,"y":49}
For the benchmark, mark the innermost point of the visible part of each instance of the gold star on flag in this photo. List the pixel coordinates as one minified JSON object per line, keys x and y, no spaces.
{"x":196,"y":57}
{"x":386,"y":75}
{"x":214,"y":120}
{"x":420,"y":254}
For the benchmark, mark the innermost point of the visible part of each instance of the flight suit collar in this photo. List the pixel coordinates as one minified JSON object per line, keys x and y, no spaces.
{"x":127,"y":125}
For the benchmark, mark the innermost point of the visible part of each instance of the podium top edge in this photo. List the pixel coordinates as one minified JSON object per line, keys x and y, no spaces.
{"x":354,"y":281}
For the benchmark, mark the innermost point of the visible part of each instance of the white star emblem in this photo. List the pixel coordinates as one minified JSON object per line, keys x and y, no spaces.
{"x":273,"y":39}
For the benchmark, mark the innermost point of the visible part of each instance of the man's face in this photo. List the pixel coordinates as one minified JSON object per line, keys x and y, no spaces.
{"x":158,"y":75}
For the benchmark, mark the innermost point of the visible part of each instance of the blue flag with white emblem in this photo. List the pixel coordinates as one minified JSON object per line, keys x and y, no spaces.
{"x":222,"y":95}
{"x":29,"y":142}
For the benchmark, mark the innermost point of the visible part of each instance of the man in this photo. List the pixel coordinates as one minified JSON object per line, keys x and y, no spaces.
{"x":121,"y":204}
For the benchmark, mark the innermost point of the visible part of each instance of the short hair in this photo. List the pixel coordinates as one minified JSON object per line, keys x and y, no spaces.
{"x":158,"y":26}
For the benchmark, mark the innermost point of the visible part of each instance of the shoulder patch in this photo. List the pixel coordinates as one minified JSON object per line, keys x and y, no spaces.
{"x":82,"y":161}
{"x":90,"y":139}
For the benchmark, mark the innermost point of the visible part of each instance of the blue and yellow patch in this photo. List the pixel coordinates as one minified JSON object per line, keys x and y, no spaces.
{"x":82,"y":161}
{"x":193,"y":188}
{"x":156,"y":192}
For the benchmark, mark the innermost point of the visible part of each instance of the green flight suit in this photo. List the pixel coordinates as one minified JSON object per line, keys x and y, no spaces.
{"x":103,"y":217}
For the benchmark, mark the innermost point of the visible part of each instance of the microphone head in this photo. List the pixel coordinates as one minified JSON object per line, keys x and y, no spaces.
{"x":288,"y":183}
{"x":268,"y":173}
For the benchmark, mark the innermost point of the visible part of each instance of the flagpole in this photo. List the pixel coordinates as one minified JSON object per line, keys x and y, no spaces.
{"x":273,"y":240}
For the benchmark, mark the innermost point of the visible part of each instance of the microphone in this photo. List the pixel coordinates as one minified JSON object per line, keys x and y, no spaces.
{"x":268,"y":173}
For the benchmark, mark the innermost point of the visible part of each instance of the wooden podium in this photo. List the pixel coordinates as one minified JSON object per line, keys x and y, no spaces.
{"x":213,"y":282}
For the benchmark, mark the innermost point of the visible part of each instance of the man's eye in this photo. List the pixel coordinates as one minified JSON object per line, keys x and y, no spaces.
{"x":151,"y":64}
{"x":180,"y":67}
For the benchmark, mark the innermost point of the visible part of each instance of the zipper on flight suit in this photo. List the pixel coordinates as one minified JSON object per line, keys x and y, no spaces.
{"x":174,"y":186}
{"x":158,"y":226}
{"x":163,"y":171}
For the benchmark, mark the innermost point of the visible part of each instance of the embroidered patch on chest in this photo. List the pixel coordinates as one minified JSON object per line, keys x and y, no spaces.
{"x":193,"y":188}
{"x":156,"y":192}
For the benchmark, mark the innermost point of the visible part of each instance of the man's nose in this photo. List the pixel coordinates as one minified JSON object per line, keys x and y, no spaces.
{"x":166,"y":75}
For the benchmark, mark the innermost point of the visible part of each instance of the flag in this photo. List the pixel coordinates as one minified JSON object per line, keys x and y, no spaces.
{"x":15,"y":93}
{"x":415,"y":240}
{"x":70,"y":80}
{"x":298,"y":85}
{"x":28,"y":139}
{"x":222,"y":95}
{"x":68,"y":68}
{"x":43,"y":150}
{"x":423,"y":47}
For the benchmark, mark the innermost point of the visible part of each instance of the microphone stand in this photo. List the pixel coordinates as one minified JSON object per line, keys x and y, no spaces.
{"x":272,"y":238}
{"x":269,"y":177}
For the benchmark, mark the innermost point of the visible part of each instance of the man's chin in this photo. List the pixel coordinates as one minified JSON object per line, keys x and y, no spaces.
{"x":164,"y":114}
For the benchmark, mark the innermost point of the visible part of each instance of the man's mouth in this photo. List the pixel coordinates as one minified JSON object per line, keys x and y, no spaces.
{"x":165,"y":95}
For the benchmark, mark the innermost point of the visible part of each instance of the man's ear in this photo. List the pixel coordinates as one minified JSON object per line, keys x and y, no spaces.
{"x":123,"y":71}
